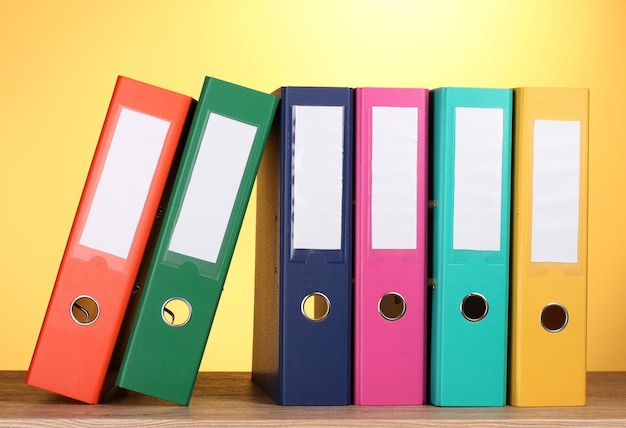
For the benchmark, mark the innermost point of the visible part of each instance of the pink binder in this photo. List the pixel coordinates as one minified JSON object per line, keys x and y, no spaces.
{"x":390,"y":246}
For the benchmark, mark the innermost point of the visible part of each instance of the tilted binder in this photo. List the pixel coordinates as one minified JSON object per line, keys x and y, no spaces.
{"x":391,"y":160}
{"x":186,"y":273}
{"x":139,"y":139}
{"x":302,"y":347}
{"x":471,"y":188}
{"x":549,"y":252}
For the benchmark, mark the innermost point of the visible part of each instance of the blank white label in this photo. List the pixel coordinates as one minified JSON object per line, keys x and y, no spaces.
{"x":213,"y":187}
{"x":478,"y":179}
{"x":394,"y":177}
{"x":556,"y":187}
{"x":123,"y":187}
{"x":318,"y":177}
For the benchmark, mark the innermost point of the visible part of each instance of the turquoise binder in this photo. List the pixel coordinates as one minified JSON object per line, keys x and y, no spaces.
{"x":470,"y":200}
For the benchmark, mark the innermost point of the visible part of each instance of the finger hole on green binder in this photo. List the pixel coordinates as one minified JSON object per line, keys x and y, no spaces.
{"x":315,"y":307}
{"x":554,"y":317}
{"x":474,"y":307}
{"x":176,"y":312}
{"x":84,"y":310}
{"x":392,"y":306}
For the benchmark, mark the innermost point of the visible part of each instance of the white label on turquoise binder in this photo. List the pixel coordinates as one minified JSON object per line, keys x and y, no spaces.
{"x":394,"y":177}
{"x":123,"y":187}
{"x":556,"y":191}
{"x":212,"y":189}
{"x":477,"y":210}
{"x":318,"y":177}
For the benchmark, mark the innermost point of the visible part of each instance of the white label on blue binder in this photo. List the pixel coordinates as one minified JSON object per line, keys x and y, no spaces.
{"x":318,"y":177}
{"x":212,"y":189}
{"x":394,"y":177}
{"x":556,"y":190}
{"x":478,"y":148}
{"x":123,"y":187}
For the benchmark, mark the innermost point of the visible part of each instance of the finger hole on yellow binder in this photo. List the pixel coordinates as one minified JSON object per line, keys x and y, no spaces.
{"x":554,"y":317}
{"x":474,"y":307}
{"x":315,"y":307}
{"x":176,"y":312}
{"x":84,"y":310}
{"x":392,"y":306}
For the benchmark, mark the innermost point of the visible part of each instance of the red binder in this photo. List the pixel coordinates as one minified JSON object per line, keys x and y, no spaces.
{"x":120,"y":200}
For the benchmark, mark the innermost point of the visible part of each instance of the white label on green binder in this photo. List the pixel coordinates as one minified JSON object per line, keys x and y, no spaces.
{"x":123,"y":187}
{"x":318,"y":177}
{"x":212,"y":189}
{"x":394,"y":177}
{"x":479,"y":134}
{"x":556,"y":191}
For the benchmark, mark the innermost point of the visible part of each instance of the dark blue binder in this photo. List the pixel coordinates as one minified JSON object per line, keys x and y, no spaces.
{"x":302,"y":351}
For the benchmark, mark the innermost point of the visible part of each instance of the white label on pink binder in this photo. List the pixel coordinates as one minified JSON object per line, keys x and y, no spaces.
{"x":556,"y":191}
{"x":478,"y":179}
{"x":212,"y":189}
{"x":318,"y":177}
{"x":123,"y":187}
{"x":394,"y":177}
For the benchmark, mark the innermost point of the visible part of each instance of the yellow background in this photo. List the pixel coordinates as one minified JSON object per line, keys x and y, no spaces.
{"x":59,"y":61}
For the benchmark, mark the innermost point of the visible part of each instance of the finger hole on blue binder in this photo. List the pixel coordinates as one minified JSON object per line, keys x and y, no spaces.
{"x":315,"y":307}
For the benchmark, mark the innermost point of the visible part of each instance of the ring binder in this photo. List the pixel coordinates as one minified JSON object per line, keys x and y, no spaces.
{"x":471,"y":176}
{"x":135,"y":151}
{"x":304,"y":248}
{"x":196,"y":240}
{"x":549,"y":248}
{"x":391,"y":177}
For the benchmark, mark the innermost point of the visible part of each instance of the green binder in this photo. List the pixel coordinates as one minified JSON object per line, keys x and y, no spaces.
{"x":184,"y":276}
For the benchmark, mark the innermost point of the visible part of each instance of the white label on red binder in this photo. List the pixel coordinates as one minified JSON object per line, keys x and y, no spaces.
{"x":212,"y":189}
{"x":318,"y":177}
{"x":123,"y":187}
{"x":477,"y":178}
{"x":556,"y":191}
{"x":394,"y":177}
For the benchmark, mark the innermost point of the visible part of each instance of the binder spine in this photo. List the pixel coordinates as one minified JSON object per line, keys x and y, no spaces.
{"x":471,"y":258}
{"x":108,"y":238}
{"x":197,"y":240}
{"x":315,"y":356}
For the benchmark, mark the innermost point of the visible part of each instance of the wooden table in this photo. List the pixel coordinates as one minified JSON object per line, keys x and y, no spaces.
{"x":231,"y":399}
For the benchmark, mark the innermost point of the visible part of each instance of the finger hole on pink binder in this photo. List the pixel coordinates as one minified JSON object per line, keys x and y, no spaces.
{"x":392,"y":306}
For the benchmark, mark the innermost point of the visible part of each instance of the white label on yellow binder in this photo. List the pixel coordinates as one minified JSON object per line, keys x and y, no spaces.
{"x":477,"y":179}
{"x":213,"y":187}
{"x":318,"y":177}
{"x":556,"y":191}
{"x":394,"y":177}
{"x":123,"y":187}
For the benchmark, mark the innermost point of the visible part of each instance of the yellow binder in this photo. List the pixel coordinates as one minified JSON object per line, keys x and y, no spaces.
{"x":549,"y":248}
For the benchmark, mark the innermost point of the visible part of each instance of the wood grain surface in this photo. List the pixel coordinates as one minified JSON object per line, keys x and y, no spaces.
{"x":231,"y":399}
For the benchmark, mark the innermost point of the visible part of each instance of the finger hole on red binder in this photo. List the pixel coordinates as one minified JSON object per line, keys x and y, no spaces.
{"x":84,"y":310}
{"x":474,"y":307}
{"x":315,"y":307}
{"x":554,"y":317}
{"x":392,"y":306}
{"x":176,"y":312}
